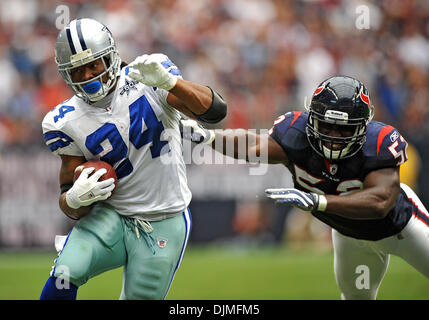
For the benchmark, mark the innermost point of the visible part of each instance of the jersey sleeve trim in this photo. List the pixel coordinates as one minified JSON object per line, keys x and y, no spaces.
{"x":383,"y":132}
{"x":56,"y":140}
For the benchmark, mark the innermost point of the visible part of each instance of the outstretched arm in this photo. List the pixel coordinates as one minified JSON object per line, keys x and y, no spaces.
{"x":243,"y":144}
{"x":380,"y":191}
{"x":238,"y":144}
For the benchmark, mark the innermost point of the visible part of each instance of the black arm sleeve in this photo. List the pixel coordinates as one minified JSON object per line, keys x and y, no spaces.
{"x":65,"y":187}
{"x":217,"y":110}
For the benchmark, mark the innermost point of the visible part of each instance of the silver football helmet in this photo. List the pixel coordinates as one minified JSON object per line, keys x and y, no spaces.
{"x":83,"y":41}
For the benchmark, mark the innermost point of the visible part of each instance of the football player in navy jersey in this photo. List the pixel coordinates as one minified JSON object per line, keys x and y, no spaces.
{"x":345,"y":169}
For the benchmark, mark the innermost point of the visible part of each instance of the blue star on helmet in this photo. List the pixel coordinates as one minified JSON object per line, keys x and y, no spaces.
{"x":127,"y":87}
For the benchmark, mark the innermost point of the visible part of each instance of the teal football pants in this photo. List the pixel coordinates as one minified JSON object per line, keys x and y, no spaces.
{"x":104,"y":240}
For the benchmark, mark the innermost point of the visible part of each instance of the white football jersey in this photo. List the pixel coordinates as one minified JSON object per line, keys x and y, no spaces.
{"x":138,"y":135}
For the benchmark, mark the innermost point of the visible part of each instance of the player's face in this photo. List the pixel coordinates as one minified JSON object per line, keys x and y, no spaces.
{"x":88,"y":71}
{"x":337,"y":131}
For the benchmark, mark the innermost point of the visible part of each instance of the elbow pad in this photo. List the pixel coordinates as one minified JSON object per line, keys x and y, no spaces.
{"x":217,"y":110}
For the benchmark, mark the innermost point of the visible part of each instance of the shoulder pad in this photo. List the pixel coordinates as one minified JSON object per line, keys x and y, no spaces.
{"x":63,"y":112}
{"x":385,"y":145}
{"x":53,"y":127}
{"x":289,"y":130}
{"x":287,"y":120}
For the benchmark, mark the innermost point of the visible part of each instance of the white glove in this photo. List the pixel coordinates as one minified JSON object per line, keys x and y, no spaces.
{"x":300,"y":199}
{"x":87,"y":190}
{"x":192,"y":130}
{"x":155,"y":70}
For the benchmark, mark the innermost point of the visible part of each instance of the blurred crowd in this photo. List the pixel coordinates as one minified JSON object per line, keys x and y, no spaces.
{"x":264,"y":56}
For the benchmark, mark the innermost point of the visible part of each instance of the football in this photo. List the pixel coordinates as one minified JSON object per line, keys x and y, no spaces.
{"x":97,"y":164}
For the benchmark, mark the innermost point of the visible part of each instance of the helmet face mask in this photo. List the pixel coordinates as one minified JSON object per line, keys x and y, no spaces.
{"x":339,"y":113}
{"x":81,"y":42}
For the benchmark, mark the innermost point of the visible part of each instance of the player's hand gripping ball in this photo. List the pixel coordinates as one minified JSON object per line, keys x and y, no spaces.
{"x":97,"y":164}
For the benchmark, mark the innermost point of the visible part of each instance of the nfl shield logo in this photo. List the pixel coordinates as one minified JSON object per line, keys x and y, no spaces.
{"x":162,"y":242}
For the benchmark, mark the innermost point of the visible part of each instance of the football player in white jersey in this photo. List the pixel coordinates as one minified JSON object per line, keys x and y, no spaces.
{"x":120,"y":114}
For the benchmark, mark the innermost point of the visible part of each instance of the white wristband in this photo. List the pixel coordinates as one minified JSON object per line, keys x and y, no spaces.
{"x":71,"y":200}
{"x":211,"y":138}
{"x":322,"y":203}
{"x":169,"y":84}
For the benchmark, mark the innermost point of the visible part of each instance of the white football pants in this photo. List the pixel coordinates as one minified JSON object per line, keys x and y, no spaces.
{"x":360,"y":265}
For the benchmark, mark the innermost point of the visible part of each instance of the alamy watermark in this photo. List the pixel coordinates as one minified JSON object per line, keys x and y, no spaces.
{"x":63,"y":280}
{"x":363,"y":280}
{"x":63,"y":16}
{"x":363,"y":19}
{"x":241,"y":147}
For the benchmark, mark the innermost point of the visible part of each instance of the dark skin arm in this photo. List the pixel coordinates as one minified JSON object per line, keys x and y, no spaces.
{"x":374,"y":201}
{"x":68,"y":165}
{"x":243,"y":144}
{"x":187,"y":96}
{"x":380,"y":191}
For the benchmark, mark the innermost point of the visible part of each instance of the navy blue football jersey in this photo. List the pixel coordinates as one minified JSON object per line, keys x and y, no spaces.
{"x":384,"y":148}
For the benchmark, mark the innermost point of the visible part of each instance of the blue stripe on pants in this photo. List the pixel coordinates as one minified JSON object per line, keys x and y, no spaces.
{"x":188,"y":225}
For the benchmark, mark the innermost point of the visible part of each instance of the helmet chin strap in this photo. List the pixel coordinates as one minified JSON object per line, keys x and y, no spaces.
{"x":335,"y":154}
{"x":94,"y":90}
{"x":104,"y":102}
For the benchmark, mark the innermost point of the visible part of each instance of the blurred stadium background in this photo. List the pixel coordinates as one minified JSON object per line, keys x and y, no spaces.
{"x":264,"y":57}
